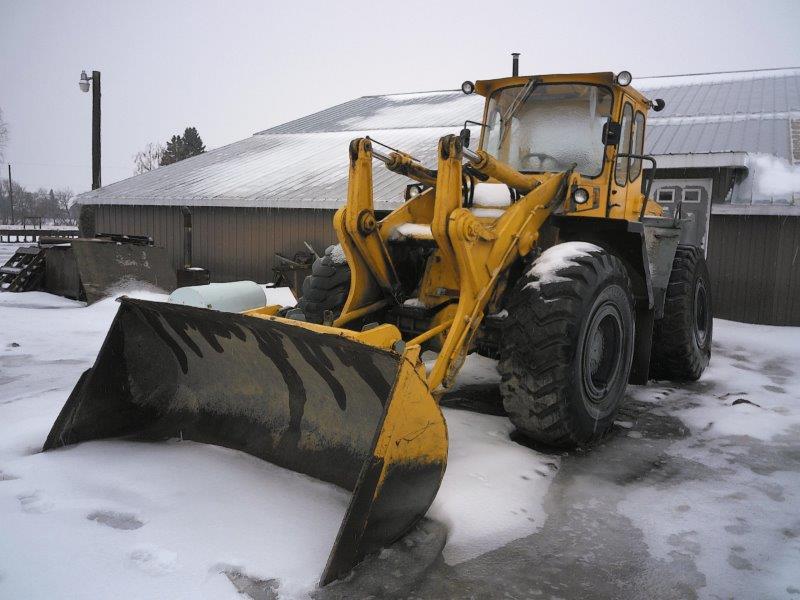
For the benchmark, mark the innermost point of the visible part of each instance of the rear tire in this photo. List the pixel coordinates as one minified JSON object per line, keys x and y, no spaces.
{"x":568,"y":345}
{"x":682,"y":338}
{"x":326,"y":288}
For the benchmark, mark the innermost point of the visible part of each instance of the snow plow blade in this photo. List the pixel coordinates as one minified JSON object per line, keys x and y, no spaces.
{"x":304,"y":397}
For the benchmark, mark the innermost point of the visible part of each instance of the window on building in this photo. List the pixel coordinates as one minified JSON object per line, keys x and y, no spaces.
{"x":691,"y":195}
{"x":665,"y":196}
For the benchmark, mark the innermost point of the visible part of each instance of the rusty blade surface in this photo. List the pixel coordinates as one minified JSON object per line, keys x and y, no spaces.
{"x":303,"y":400}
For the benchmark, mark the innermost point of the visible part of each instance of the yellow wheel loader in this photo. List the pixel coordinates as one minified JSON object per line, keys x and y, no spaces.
{"x":539,"y":247}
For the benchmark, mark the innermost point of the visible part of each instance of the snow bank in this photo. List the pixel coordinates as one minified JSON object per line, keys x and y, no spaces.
{"x":493,"y":490}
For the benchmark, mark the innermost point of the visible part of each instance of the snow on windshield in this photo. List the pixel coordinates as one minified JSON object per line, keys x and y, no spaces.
{"x":556,"y":125}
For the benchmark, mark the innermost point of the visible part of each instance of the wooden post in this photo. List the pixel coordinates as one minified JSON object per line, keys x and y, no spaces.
{"x":95,"y":129}
{"x":10,"y":194}
{"x":86,"y":218}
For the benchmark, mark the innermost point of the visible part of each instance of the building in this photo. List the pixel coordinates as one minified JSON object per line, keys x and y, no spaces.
{"x":726,"y":146}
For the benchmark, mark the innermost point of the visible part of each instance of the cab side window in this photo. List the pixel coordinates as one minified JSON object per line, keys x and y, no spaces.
{"x":637,"y":144}
{"x":624,"y":147}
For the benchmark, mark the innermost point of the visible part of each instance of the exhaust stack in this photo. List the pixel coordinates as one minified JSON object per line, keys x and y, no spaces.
{"x":515,"y":64}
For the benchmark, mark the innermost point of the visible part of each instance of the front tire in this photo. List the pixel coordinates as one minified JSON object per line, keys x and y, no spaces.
{"x":568,"y":345}
{"x":682,"y":338}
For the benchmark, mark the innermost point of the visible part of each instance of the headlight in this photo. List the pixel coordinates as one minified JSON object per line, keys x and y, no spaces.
{"x":467,"y":87}
{"x":624,"y":78}
{"x":580,"y":196}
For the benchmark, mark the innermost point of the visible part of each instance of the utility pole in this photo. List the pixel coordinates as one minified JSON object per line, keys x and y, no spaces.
{"x":10,"y":194}
{"x":95,"y":129}
{"x":86,"y":218}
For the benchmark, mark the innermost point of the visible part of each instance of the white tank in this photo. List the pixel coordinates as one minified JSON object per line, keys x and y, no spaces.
{"x":235,"y":297}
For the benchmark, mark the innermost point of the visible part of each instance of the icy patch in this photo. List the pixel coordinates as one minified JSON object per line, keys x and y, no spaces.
{"x":740,"y":527}
{"x":557,"y":258}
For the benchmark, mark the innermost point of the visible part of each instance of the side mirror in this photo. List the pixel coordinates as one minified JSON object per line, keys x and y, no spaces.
{"x":611,"y":133}
{"x":658,"y":104}
{"x":464,"y":134}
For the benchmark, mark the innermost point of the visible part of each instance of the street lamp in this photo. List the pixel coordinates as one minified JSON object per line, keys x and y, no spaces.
{"x":84,"y":82}
{"x":86,"y":219}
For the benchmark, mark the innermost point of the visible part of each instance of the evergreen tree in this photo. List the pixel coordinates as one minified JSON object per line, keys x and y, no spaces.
{"x":180,"y":147}
{"x":192,"y":142}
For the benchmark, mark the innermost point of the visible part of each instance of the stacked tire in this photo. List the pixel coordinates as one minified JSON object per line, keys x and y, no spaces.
{"x":326,"y":289}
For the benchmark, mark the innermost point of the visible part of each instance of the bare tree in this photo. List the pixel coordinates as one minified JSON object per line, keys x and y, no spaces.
{"x":64,"y":199}
{"x":3,"y":135}
{"x":148,"y":159}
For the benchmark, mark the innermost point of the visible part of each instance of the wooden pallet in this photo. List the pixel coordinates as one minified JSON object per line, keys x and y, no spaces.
{"x":24,"y":271}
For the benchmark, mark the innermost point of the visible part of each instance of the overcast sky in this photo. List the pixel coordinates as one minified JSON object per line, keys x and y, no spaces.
{"x":233,"y":68}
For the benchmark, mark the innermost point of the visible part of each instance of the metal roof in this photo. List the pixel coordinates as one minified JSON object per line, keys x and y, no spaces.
{"x":303,"y":163}
{"x":747,"y":111}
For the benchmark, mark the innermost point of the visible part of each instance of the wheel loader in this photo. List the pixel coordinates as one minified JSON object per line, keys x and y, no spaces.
{"x":538,"y":247}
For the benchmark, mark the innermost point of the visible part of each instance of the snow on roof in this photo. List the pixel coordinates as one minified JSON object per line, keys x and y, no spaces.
{"x":303,"y":163}
{"x":292,"y":170}
{"x":692,"y":79}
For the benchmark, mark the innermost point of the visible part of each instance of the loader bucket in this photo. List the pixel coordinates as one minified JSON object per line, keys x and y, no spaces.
{"x":314,"y":402}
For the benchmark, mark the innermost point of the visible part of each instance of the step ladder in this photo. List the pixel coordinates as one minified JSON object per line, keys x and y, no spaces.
{"x":24,"y":271}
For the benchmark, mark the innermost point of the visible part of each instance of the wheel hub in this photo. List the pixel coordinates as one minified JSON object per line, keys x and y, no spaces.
{"x":700,"y":313}
{"x":602,"y":352}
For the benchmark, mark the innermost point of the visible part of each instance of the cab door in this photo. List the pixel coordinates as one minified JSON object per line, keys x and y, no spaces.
{"x":618,"y":198}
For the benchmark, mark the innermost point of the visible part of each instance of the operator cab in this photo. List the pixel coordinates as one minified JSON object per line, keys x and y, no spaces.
{"x":592,"y":122}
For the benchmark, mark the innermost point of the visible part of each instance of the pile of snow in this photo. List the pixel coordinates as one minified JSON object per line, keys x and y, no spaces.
{"x":493,"y":490}
{"x":774,"y":175}
{"x":556,"y":258}
{"x":124,"y":519}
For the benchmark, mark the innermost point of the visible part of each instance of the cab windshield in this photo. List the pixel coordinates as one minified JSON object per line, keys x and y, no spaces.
{"x":547,"y":127}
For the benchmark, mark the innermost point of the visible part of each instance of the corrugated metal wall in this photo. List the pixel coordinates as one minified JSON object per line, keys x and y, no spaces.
{"x":754,"y":263}
{"x":233,"y":243}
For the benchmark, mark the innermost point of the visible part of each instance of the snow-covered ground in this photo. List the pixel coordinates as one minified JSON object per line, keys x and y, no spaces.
{"x":736,"y":511}
{"x":168,"y":520}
